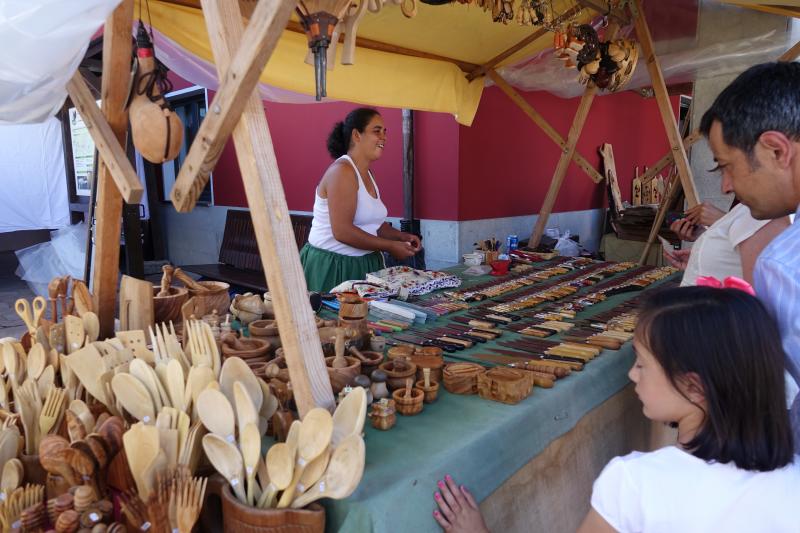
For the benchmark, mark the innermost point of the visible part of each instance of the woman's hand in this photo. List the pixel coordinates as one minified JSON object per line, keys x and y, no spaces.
{"x":677,"y":258}
{"x":459,"y":510}
{"x":400,"y":250}
{"x":685,"y":229}
{"x":411,"y":239}
{"x":704,"y":214}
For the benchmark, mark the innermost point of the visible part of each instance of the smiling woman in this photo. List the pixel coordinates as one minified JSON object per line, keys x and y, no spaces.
{"x":349,"y":231}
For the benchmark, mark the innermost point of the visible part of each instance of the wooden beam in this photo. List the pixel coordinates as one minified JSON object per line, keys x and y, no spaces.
{"x":259,"y":40}
{"x":563,"y":164}
{"x":667,"y":159}
{"x":540,"y":121}
{"x":672,"y":193}
{"x":112,"y":154}
{"x":620,"y":18}
{"x":791,"y":54}
{"x":117,"y":59}
{"x":273,"y":228}
{"x":496,"y":60}
{"x":664,"y":106}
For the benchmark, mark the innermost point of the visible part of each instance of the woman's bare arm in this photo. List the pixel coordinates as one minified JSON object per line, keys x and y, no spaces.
{"x":751,"y":248}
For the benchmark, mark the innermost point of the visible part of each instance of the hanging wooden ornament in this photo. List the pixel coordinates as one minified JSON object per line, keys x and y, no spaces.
{"x":157,"y":131}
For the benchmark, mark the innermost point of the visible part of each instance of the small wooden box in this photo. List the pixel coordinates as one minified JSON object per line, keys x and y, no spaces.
{"x":462,"y":378}
{"x":506,"y":385}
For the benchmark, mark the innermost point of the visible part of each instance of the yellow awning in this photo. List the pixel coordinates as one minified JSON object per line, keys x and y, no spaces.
{"x":388,"y":78}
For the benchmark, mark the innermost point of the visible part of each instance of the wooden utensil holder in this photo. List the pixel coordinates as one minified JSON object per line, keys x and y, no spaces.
{"x":462,"y":378}
{"x":239,"y":517}
{"x":408,"y":405}
{"x":506,"y":385}
{"x":431,"y":393}
{"x":397,"y":371}
{"x":341,"y":377}
{"x":166,"y":308}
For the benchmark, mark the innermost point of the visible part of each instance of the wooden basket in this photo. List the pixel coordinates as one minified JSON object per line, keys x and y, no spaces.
{"x":240,"y":518}
{"x":506,"y":385}
{"x":462,"y":378}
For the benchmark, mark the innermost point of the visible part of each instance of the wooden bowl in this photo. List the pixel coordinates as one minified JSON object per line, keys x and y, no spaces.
{"x":249,"y":349}
{"x":216,"y":298}
{"x":397,"y":371}
{"x":400,"y":352}
{"x":239,"y":517}
{"x":166,"y":308}
{"x":462,"y":378}
{"x":263,"y":328}
{"x":341,"y":377}
{"x":408,"y":406}
{"x":375,"y":359}
{"x":431,"y":393}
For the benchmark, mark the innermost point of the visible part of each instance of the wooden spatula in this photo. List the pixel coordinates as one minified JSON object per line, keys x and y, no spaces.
{"x":75,"y":333}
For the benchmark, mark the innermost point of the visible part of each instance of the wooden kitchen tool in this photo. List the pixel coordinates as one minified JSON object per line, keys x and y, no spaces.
{"x":408,"y":401}
{"x":227,"y":460}
{"x":91,"y":325}
{"x":280,"y":465}
{"x":30,"y":313}
{"x":250,"y":444}
{"x":313,"y":438}
{"x":36,"y":361}
{"x":216,"y":414}
{"x":235,"y":369}
{"x":75,"y":334}
{"x":135,"y":304}
{"x":349,"y":417}
{"x":134,"y":397}
{"x":342,"y":476}
{"x":429,"y":388}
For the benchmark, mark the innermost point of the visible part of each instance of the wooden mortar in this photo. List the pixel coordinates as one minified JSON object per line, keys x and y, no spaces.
{"x":369,"y":360}
{"x":341,"y":377}
{"x":408,"y":400}
{"x":429,"y":387}
{"x":249,"y":349}
{"x":434,"y":363}
{"x":168,"y":308}
{"x":215,"y":297}
{"x":397,"y":371}
{"x":352,"y":306}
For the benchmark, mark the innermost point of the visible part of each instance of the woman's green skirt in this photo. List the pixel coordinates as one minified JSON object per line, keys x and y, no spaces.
{"x":324,"y":270}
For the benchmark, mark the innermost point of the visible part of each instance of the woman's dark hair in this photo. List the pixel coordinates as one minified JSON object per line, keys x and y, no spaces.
{"x":339,"y":137}
{"x":727,"y":339}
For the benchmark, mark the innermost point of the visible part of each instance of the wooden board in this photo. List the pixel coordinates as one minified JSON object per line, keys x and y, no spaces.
{"x":135,"y":304}
{"x":610,"y":171}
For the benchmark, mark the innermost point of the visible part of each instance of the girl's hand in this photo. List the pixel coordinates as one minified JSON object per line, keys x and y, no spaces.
{"x":678,"y":258}
{"x":458,"y":509}
{"x":400,"y":250}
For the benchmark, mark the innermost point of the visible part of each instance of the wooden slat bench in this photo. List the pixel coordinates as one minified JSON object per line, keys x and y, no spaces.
{"x":239,"y":262}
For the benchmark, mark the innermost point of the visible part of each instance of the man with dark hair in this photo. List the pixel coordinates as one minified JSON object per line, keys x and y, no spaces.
{"x":753,"y":129}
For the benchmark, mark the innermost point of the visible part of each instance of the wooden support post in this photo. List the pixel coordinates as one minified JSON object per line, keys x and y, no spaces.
{"x":540,"y":121}
{"x":273,"y":228}
{"x":563,"y":164}
{"x":112,"y":154}
{"x":258,"y":41}
{"x":791,"y":54}
{"x":117,"y":61}
{"x":664,"y":106}
{"x":672,"y":193}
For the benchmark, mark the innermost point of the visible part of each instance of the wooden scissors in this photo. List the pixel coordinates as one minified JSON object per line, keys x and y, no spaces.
{"x":31,"y":320}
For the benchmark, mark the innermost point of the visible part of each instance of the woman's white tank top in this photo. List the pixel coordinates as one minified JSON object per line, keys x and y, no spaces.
{"x":370,"y":214}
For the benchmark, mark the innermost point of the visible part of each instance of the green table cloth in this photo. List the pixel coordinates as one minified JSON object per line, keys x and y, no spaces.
{"x":480,"y":443}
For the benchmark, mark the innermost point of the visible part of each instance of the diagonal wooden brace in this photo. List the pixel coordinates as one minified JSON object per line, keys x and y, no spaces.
{"x":540,"y":121}
{"x":651,"y":173}
{"x":258,"y":42}
{"x":104,"y":139}
{"x":273,"y":229}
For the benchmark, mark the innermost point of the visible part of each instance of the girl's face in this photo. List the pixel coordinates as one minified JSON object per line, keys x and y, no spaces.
{"x":661,"y":401}
{"x":373,"y":139}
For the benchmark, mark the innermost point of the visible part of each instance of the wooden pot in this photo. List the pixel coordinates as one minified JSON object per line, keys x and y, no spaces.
{"x":239,"y":517}
{"x":341,"y":377}
{"x":168,"y":308}
{"x":216,"y":298}
{"x":431,"y":393}
{"x":408,"y":406}
{"x":397,"y":372}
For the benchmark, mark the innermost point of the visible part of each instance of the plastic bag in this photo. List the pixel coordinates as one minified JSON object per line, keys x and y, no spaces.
{"x":49,"y":39}
{"x":63,"y":255}
{"x":566,"y":246}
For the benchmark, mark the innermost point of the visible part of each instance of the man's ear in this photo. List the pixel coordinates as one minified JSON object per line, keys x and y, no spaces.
{"x":778,"y":147}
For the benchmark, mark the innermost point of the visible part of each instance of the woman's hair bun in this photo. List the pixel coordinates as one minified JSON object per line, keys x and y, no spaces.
{"x":337,"y":145}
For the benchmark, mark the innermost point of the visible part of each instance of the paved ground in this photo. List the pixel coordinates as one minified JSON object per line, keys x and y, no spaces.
{"x":11,"y":289}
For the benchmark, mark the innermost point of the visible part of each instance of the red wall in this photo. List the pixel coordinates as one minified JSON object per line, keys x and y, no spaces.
{"x":506,"y":162}
{"x":500,"y":166}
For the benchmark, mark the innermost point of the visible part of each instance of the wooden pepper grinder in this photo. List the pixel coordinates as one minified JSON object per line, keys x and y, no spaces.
{"x":339,"y":361}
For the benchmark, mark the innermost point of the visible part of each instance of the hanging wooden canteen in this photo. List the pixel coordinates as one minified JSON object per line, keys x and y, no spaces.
{"x":156,"y":129}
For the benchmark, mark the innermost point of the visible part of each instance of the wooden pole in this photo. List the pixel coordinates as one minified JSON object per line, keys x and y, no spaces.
{"x":117,"y":62}
{"x":563,"y":165}
{"x":273,"y":228}
{"x":540,"y":121}
{"x":791,"y":54}
{"x":258,"y":41}
{"x":672,"y":193}
{"x":408,"y":166}
{"x":664,"y":106}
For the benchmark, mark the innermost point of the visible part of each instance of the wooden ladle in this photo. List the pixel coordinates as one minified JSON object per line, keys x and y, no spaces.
{"x":216,"y":414}
{"x":280,"y":465}
{"x":227,"y":460}
{"x":342,"y":476}
{"x":349,"y":417}
{"x":250,"y":444}
{"x":314,"y":437}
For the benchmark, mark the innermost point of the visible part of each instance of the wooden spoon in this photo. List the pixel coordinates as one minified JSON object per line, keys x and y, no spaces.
{"x":342,"y":476}
{"x":198,"y":380}
{"x":216,"y":414}
{"x":349,"y":417}
{"x":91,"y":324}
{"x":144,"y":373}
{"x":314,"y":471}
{"x":235,"y":369}
{"x":245,"y":410}
{"x":250,"y":444}
{"x":176,"y":385}
{"x":46,"y":380}
{"x":313,"y":438}
{"x":37,"y":359}
{"x":280,"y":465}
{"x":227,"y":460}
{"x":134,"y":397}
{"x":13,"y":472}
